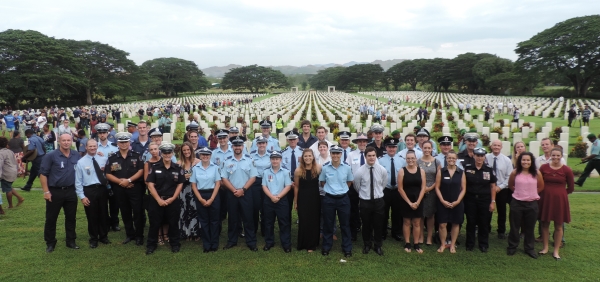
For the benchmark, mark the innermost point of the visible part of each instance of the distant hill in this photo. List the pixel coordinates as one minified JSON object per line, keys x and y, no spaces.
{"x":308,"y":69}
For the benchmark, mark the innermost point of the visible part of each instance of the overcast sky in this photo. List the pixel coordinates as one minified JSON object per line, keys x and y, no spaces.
{"x":285,"y":32}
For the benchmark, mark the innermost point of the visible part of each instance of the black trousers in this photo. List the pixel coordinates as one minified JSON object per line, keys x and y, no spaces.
{"x":113,"y":209}
{"x":279,"y":210}
{"x":391,"y":198}
{"x":35,"y":170}
{"x":132,"y":210}
{"x":65,"y":199}
{"x":589,"y":167}
{"x":209,"y":220}
{"x":372,"y":214}
{"x":257,"y":204}
{"x":96,"y":213}
{"x":223,"y":195}
{"x":158,"y":215}
{"x":503,"y":198}
{"x":570,"y":121}
{"x":354,"y":211}
{"x":478,"y":217}
{"x":237,"y":207}
{"x":522,"y":215}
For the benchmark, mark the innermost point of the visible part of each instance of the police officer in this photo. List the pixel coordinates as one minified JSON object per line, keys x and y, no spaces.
{"x":238,"y":174}
{"x":422,"y":137}
{"x":479,"y":203}
{"x":344,"y":143}
{"x":155,"y":137}
{"x":467,"y":155}
{"x":392,"y":164}
{"x":233,"y":132}
{"x":124,"y":172}
{"x":335,"y":178}
{"x":272,"y":143}
{"x":57,"y":176}
{"x":276,"y":183}
{"x":111,"y":133}
{"x":165,"y":180}
{"x":90,"y":185}
{"x":290,"y":160}
{"x":140,"y":145}
{"x":206,"y":180}
{"x":218,"y":157}
{"x":261,"y":160}
{"x":445,"y":147}
{"x":377,"y":142}
{"x":107,"y":148}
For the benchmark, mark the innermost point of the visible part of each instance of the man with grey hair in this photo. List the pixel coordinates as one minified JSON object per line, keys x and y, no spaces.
{"x":502,"y":167}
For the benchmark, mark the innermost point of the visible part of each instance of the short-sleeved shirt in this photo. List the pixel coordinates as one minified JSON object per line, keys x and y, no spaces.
{"x":124,"y":167}
{"x":304,"y":144}
{"x":82,"y":144}
{"x":205,"y":178}
{"x":219,"y":156}
{"x":596,"y":149}
{"x":336,"y":179}
{"x":35,"y":142}
{"x":107,"y":150}
{"x":479,"y":180}
{"x":85,"y":173}
{"x":386,"y":162}
{"x":261,"y":162}
{"x":276,"y":181}
{"x":238,"y":172}
{"x":272,"y":144}
{"x":379,"y":150}
{"x":59,"y":169}
{"x":165,"y":179}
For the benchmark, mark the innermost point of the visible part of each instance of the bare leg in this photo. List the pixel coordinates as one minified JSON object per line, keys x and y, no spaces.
{"x":545,"y":235}
{"x":406,"y":232}
{"x":443,"y":232}
{"x":416,"y":222}
{"x":421,"y":237}
{"x":455,"y":231}
{"x":430,"y":229}
{"x":558,"y":234}
{"x":9,"y":197}
{"x":1,"y":210}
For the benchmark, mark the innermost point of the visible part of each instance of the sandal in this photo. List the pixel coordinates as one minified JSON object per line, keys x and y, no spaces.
{"x":160,"y":241}
{"x":418,"y":248}
{"x":452,"y":250}
{"x":407,"y":247}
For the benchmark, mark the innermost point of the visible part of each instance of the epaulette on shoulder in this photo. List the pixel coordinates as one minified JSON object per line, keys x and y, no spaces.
{"x":229,"y":157}
{"x":252,"y":152}
{"x":327,"y":163}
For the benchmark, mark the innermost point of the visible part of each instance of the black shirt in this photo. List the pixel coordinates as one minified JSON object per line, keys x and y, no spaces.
{"x":379,"y":150}
{"x":305,"y":144}
{"x":466,"y":159}
{"x":479,"y":180}
{"x":59,"y":169}
{"x":124,"y":167}
{"x":165,"y":179}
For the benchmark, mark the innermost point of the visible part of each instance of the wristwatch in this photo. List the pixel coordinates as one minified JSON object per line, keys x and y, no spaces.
{"x":493,"y":201}
{"x":129,"y":179}
{"x":245,"y":189}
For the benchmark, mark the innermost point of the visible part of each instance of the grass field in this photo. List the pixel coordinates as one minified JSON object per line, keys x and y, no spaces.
{"x":24,"y":256}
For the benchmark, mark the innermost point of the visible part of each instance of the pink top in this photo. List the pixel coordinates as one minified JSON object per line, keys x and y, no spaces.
{"x":525,"y":188}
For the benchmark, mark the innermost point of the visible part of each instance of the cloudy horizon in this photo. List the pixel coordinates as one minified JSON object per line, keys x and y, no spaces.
{"x":298,"y":33}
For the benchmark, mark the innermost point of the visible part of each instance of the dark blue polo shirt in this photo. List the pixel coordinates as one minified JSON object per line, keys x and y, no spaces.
{"x":59,"y":169}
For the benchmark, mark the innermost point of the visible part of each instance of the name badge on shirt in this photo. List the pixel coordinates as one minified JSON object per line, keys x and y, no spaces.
{"x":175,"y":176}
{"x":159,"y":171}
{"x":446,"y":177}
{"x":355,"y":161}
{"x":470,"y":171}
{"x":486,"y":175}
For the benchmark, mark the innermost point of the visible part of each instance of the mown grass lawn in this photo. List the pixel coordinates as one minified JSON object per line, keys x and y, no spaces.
{"x":24,"y":257}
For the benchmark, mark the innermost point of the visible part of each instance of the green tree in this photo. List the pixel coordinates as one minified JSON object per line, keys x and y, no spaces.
{"x":176,"y":75}
{"x":103,"y":68}
{"x":254,"y":78}
{"x":461,"y":69}
{"x":33,"y":67}
{"x":304,"y":85}
{"x":334,"y":76}
{"x":404,"y":72}
{"x":489,"y":67}
{"x":571,"y":48}
{"x":363,"y":75}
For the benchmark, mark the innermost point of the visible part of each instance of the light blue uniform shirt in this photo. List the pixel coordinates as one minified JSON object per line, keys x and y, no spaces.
{"x":261,"y":162}
{"x":276,"y":181}
{"x":218,"y":157}
{"x":244,"y":151}
{"x":272,"y":144}
{"x":596,"y":149}
{"x":238,"y":172}
{"x":336,"y":179}
{"x":85,"y":174}
{"x":205,"y":178}
{"x":442,"y":158}
{"x":286,"y":158}
{"x":35,"y":142}
{"x":386,"y":161}
{"x":147,"y":156}
{"x":108,"y":149}
{"x":417,"y":150}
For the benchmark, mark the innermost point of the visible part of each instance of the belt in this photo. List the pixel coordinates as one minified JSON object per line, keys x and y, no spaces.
{"x":376,"y":199}
{"x":61,"y":187}
{"x":336,"y":196}
{"x":97,"y":185}
{"x":165,"y":197}
{"x":205,"y":190}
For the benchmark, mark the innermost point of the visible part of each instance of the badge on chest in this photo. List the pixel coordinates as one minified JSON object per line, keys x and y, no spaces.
{"x":486,"y":175}
{"x":115,"y":166}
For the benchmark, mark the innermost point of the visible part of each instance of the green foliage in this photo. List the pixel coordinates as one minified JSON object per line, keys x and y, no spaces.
{"x":579,"y":150}
{"x":175,"y":75}
{"x":254,"y":78}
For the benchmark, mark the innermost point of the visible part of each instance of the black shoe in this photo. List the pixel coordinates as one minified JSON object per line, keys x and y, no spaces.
{"x":353,"y":238}
{"x":254,"y":249}
{"x":94,"y":245}
{"x":469,"y":249}
{"x":379,"y":251}
{"x":206,"y":251}
{"x":501,"y":236}
{"x":105,"y":241}
{"x":72,"y":246}
{"x":150,"y":250}
{"x":229,"y":246}
{"x":383,"y":237}
{"x":483,"y":249}
{"x":325,"y":253}
{"x":576,"y":183}
{"x":242,"y":235}
{"x":511,"y":252}
{"x":50,"y":248}
{"x":398,"y":238}
{"x":347,"y":254}
{"x":175,"y":249}
{"x":532,"y":255}
{"x":366,"y":249}
{"x":139,"y":242}
{"x":28,"y":188}
{"x":267,"y":247}
{"x":287,"y":250}
{"x":127,"y":240}
{"x":116,"y":228}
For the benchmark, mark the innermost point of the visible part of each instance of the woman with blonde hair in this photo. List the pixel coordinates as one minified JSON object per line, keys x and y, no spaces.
{"x":518,"y":148}
{"x":307,"y":201}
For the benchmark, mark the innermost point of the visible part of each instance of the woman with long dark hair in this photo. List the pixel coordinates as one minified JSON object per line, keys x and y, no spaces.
{"x":411,"y":186}
{"x":526,"y":183}
{"x":307,"y":201}
{"x":188,"y":218}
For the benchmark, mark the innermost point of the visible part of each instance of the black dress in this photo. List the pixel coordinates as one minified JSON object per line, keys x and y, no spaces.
{"x":450,"y":190}
{"x":412,"y":187}
{"x":309,"y":212}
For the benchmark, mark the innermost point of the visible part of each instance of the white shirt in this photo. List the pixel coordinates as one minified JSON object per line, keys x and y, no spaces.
{"x":315,"y":147}
{"x":362,"y":181}
{"x":418,"y":153}
{"x":541,"y":160}
{"x":41,"y":121}
{"x":320,"y":160}
{"x":503,"y":168}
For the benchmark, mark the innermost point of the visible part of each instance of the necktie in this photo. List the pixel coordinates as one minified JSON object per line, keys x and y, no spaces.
{"x":393,"y":171}
{"x":362,"y":158}
{"x":372,"y":189}
{"x":495,"y":171}
{"x":99,"y":173}
{"x":344,"y":160}
{"x":445,"y":162}
{"x":293,"y":160}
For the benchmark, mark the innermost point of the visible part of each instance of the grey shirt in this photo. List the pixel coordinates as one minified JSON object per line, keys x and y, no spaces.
{"x":8,"y":165}
{"x":362,"y":181}
{"x":59,"y":169}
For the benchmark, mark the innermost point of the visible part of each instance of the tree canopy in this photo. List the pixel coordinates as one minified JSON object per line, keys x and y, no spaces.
{"x":254,"y":78}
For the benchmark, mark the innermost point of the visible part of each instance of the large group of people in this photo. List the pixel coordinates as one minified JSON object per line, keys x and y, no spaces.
{"x":420,"y":188}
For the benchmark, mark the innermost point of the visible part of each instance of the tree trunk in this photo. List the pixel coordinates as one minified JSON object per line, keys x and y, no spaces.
{"x":585,"y":84}
{"x":88,"y":95}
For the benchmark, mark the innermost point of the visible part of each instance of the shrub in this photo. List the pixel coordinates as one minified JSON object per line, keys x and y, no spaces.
{"x":579,"y":150}
{"x":497,"y":130}
{"x":485,"y":140}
